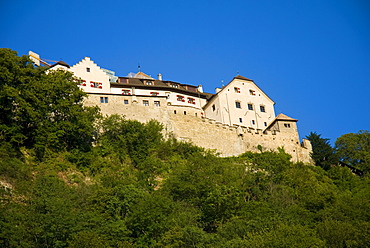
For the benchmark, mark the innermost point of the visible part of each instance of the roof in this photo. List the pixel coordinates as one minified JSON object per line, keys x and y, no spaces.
{"x":159,"y":85}
{"x":60,"y":63}
{"x":139,"y":75}
{"x":282,"y":117}
{"x":243,"y":78}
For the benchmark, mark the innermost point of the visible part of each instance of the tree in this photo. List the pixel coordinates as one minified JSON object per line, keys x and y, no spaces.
{"x":322,"y":153}
{"x":42,"y":109}
{"x":354,"y":149}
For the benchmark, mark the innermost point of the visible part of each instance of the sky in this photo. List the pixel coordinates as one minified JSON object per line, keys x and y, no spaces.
{"x":311,"y":57}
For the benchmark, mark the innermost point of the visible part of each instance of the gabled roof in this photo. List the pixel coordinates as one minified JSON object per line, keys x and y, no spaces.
{"x":60,"y":63}
{"x":243,"y":78}
{"x":240,"y":78}
{"x":280,"y":117}
{"x":140,"y":74}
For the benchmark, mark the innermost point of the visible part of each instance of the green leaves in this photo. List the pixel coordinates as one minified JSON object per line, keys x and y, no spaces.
{"x":42,"y":110}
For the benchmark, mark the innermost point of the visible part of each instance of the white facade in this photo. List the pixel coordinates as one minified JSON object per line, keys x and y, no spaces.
{"x":242,"y":103}
{"x":95,"y":80}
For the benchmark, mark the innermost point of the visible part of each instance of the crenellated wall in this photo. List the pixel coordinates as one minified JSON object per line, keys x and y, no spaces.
{"x":189,"y":124}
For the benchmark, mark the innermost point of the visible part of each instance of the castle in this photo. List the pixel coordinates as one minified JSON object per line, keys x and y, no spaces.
{"x":239,"y":117}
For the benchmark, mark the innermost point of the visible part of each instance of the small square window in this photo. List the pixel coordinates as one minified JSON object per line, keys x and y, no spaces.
{"x":103,"y":99}
{"x":287,"y":125}
{"x":125,"y":101}
{"x":157,"y":103}
{"x":145,"y":102}
{"x":252,"y":92}
{"x":238,"y":105}
{"x":87,"y":69}
{"x":241,"y":120}
{"x":236,"y":90}
{"x":250,"y":106}
{"x":262,"y":108}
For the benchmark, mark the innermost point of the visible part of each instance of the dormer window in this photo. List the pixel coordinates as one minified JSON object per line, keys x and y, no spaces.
{"x":174,"y":85}
{"x":148,"y":82}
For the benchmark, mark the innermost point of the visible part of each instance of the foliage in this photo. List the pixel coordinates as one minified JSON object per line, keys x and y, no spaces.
{"x":322,"y":153}
{"x":354,"y":149}
{"x":133,"y":188}
{"x":42,"y":110}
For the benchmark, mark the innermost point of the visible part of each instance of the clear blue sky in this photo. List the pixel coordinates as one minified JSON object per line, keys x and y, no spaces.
{"x":311,"y":57}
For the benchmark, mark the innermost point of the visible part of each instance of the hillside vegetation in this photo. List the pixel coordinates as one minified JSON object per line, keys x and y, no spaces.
{"x":70,"y":177}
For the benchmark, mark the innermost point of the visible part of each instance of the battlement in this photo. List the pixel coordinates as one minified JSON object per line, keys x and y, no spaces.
{"x":189,"y":124}
{"x":240,"y":117}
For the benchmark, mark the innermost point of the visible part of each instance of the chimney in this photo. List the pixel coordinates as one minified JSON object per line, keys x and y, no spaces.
{"x":160,"y":76}
{"x":200,"y":88}
{"x":218,"y":90}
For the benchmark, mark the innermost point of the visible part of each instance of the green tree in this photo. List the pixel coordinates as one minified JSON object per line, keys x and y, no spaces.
{"x":322,"y":153}
{"x":354,"y":149}
{"x":42,"y":109}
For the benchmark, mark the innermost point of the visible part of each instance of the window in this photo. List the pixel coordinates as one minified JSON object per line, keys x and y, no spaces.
{"x":96,"y":85}
{"x":148,"y":82}
{"x":126,"y":92}
{"x":184,"y":112}
{"x":87,"y":69}
{"x":180,"y":98}
{"x":154,"y":93}
{"x":237,"y":90}
{"x":237,"y":105}
{"x":262,"y":108}
{"x":250,"y":106}
{"x":241,"y":120}
{"x":287,"y":125}
{"x":265,"y":123}
{"x":145,"y":102}
{"x":157,"y":103}
{"x":252,"y":92}
{"x":104,"y":99}
{"x":174,"y":112}
{"x":253,"y":122}
{"x":191,"y":100}
{"x":125,"y":101}
{"x":213,"y":107}
{"x":174,"y":85}
{"x":82,"y":82}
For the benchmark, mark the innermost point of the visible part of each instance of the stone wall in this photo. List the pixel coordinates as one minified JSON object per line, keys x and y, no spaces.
{"x":188,"y":124}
